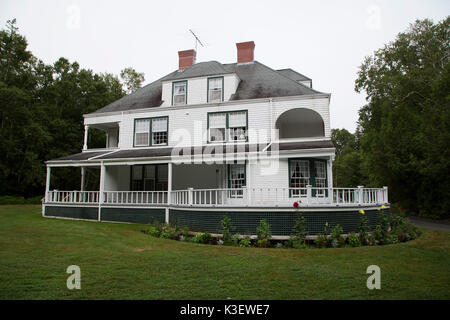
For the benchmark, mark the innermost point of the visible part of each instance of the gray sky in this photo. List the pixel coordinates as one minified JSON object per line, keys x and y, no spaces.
{"x":325,"y":40}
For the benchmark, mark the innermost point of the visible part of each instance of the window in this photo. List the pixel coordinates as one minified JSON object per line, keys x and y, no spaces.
{"x":236,"y":179}
{"x":303,"y":172}
{"x":227,"y":126}
{"x":159,"y":131}
{"x":149,"y":177}
{"x":237,"y":123}
{"x":136,"y":178}
{"x":142,"y":132}
{"x":151,"y":132}
{"x":299,"y":176}
{"x":179,"y":93}
{"x":321,"y":177}
{"x":217,"y":127}
{"x":215,"y":89}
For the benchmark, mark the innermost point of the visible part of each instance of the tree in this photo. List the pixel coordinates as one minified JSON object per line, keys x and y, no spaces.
{"x":132,"y":80}
{"x":347,"y":166}
{"x":41,"y":114}
{"x":405,"y":126}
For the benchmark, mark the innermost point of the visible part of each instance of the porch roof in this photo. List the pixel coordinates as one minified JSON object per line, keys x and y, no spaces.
{"x":206,"y":150}
{"x":301,"y":145}
{"x":81,"y":156}
{"x":184,"y":151}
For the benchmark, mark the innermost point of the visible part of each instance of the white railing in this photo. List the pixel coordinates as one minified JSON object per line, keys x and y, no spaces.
{"x":135,"y":197}
{"x":72,"y":196}
{"x":248,"y":197}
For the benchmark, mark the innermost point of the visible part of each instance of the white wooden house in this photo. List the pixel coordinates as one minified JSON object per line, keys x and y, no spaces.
{"x":211,"y":139}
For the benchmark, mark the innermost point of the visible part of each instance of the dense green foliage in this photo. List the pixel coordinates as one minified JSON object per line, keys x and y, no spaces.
{"x":403,"y":134}
{"x":406,"y":123}
{"x":41,"y":113}
{"x":347,"y":167}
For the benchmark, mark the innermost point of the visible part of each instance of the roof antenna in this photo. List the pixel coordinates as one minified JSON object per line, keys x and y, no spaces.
{"x":197,"y":40}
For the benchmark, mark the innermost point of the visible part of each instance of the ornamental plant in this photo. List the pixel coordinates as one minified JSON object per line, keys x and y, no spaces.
{"x":353,"y":240}
{"x":264,"y":233}
{"x":227,"y":230}
{"x":299,"y":236}
{"x":363,"y":229}
{"x":381,"y":233}
{"x":246,"y":242}
{"x":335,"y":240}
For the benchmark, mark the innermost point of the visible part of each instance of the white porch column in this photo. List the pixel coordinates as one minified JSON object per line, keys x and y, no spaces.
{"x":83,"y":178}
{"x":330,"y":171}
{"x":169,"y":190}
{"x":47,"y":184}
{"x":308,"y":194}
{"x":101,"y":190}
{"x":86,"y":131}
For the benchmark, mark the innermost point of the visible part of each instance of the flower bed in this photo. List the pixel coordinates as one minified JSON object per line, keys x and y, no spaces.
{"x":387,"y":231}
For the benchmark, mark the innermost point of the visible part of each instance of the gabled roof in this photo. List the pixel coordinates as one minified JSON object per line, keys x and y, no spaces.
{"x":256,"y":81}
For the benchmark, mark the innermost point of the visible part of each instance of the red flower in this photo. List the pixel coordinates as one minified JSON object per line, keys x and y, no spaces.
{"x":296,"y":204}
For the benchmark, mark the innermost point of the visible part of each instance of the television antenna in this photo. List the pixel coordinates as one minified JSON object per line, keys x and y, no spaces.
{"x":197,"y":40}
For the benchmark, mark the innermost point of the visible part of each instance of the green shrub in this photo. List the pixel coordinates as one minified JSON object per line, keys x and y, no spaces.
{"x":363,"y":230}
{"x":353,"y":240}
{"x":205,"y":238}
{"x":227,"y":230}
{"x":245,"y":242}
{"x":264,"y":234}
{"x":335,"y":240}
{"x":381,"y":232}
{"x":299,"y":236}
{"x":406,"y":232}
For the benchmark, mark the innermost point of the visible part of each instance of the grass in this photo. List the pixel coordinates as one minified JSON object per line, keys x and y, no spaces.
{"x":118,"y":261}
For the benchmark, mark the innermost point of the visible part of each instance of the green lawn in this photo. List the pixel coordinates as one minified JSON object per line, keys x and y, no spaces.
{"x":118,"y":261}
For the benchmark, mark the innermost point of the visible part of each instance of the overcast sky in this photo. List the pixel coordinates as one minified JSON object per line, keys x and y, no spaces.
{"x":324,"y":40}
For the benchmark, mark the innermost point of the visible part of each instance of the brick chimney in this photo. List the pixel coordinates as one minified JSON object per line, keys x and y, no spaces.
{"x":186,"y":58}
{"x":245,"y":51}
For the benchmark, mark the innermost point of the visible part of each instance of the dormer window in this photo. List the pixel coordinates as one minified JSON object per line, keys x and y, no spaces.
{"x":215,"y":89}
{"x":179,"y":91}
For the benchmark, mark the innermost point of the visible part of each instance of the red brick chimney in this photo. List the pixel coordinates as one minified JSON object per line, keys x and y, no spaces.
{"x":186,"y":58}
{"x":245,"y":51}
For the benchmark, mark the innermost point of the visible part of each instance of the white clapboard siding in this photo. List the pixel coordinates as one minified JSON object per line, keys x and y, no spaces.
{"x":188,"y":126}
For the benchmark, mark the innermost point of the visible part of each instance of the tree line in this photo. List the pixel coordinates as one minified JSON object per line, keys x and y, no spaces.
{"x":41,"y":112}
{"x":403,"y":132}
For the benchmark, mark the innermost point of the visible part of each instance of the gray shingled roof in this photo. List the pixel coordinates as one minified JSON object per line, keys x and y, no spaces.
{"x":191,"y":151}
{"x":294,"y":75}
{"x":257,"y":81}
{"x":81,"y":156}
